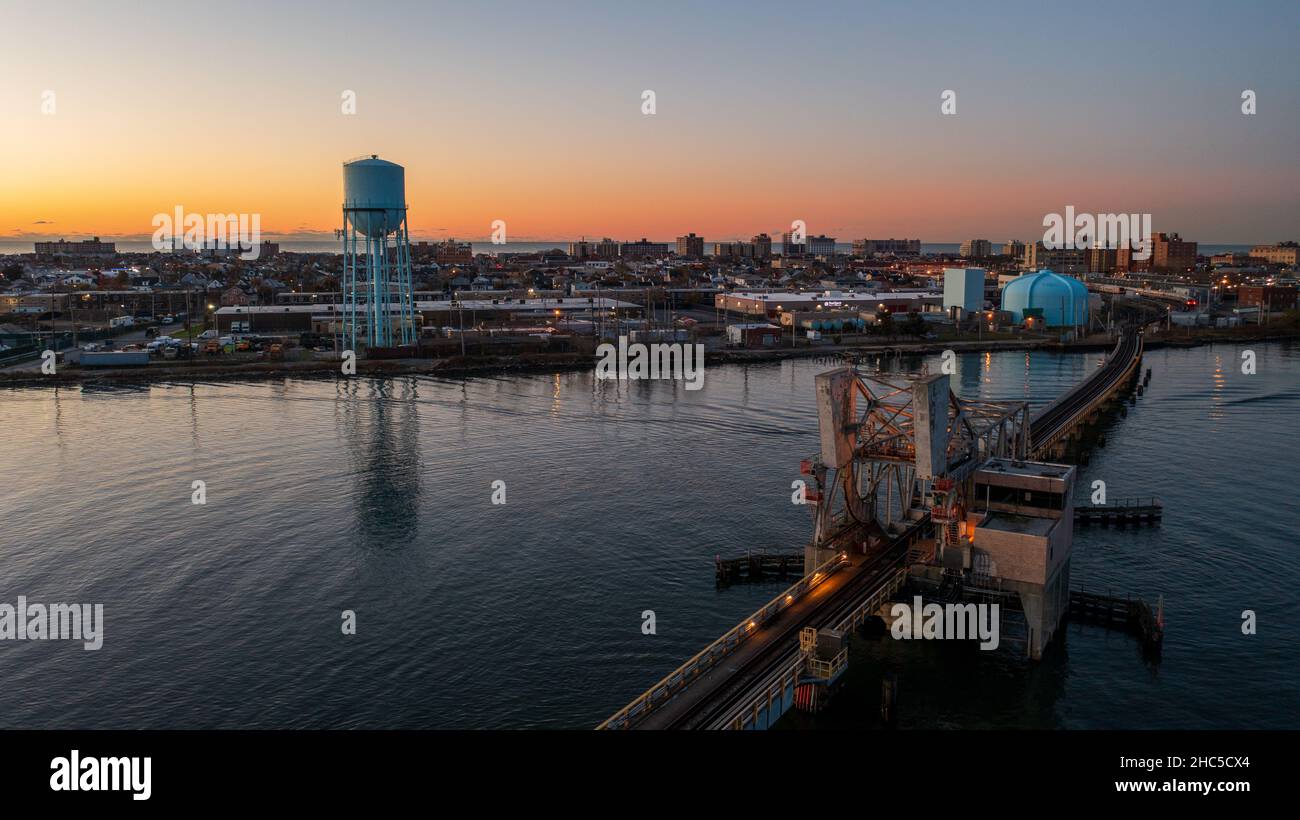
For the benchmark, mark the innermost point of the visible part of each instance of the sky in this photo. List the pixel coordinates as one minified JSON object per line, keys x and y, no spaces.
{"x":765,"y":113}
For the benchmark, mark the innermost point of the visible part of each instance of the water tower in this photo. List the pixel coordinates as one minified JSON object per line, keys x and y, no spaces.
{"x":378,"y":305}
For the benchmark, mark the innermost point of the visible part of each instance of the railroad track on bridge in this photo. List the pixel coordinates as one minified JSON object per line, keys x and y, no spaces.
{"x":719,"y":711}
{"x":1057,"y":419}
{"x":738,"y":691}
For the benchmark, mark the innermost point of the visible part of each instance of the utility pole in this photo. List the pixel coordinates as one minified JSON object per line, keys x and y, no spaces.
{"x":460,"y":312}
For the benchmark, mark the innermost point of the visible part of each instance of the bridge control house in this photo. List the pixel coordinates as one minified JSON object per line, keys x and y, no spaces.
{"x":1023,"y":529}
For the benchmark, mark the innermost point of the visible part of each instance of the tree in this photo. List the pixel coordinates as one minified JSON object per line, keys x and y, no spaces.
{"x":915,"y":325}
{"x":885,"y":323}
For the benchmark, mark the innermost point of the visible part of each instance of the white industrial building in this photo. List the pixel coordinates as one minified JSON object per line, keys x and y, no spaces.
{"x":963,"y":288}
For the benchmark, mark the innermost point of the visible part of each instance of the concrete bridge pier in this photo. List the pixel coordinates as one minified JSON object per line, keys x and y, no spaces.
{"x":1045,"y":607}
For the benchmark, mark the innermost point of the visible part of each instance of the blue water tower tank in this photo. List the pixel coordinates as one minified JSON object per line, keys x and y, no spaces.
{"x":374,"y":191}
{"x":1063,"y":300}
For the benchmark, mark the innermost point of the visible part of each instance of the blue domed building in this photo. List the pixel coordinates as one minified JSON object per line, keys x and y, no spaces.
{"x":1061,"y":300}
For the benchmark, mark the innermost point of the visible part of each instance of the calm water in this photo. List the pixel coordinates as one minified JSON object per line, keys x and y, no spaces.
{"x":375,"y":496}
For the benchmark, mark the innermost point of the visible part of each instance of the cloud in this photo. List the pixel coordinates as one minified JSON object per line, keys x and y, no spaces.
{"x":43,"y":222}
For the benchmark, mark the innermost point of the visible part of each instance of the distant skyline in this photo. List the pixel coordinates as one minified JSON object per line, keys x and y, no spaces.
{"x":765,"y":113}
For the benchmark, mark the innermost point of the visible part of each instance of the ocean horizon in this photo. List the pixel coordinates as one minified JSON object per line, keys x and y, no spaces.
{"x":19,"y":247}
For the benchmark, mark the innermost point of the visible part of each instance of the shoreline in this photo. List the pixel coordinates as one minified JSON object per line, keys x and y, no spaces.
{"x":567,"y":362}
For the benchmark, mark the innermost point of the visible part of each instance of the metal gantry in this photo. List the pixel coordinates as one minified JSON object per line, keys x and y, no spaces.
{"x":897,"y":448}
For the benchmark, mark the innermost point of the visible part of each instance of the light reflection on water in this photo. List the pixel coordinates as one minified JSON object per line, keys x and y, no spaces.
{"x":374,"y":495}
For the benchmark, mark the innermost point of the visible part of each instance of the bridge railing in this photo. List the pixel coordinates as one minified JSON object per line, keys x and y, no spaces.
{"x":787,"y":675}
{"x":723,"y":646}
{"x":874,"y":601}
{"x":781,"y":681}
{"x":1141,"y":502}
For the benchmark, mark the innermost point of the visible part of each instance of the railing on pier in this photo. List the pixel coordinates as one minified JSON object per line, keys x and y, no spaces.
{"x":827,"y":669}
{"x":757,"y":566}
{"x":711,"y":654}
{"x":1134,"y":509}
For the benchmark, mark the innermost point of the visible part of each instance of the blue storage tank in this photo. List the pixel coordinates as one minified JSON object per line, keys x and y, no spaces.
{"x":1062,"y":299}
{"x":374,"y":190}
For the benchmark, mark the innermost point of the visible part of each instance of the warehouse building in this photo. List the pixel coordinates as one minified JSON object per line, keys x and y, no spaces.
{"x":771,"y":304}
{"x":324,"y":318}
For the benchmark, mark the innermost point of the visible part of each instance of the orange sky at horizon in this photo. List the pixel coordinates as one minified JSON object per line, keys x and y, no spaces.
{"x":544,"y":129}
{"x":114,"y":193}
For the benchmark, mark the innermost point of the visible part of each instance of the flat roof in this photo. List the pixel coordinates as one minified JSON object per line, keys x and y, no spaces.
{"x":878,"y":296}
{"x":1036,"y":469}
{"x":565,"y":303}
{"x":1019,"y":524}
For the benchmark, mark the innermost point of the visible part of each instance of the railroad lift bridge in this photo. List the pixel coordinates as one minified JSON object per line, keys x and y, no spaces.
{"x":912,"y":484}
{"x":895,"y":451}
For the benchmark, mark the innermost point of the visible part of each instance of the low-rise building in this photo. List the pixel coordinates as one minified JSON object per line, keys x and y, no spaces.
{"x":86,"y":247}
{"x":754,"y":334}
{"x":1283,"y":253}
{"x":886,"y":247}
{"x":1268,"y":297}
{"x":1070,"y":261}
{"x":769,"y":304}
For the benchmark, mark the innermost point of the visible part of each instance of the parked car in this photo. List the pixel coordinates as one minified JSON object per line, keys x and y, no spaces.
{"x":212,"y":348}
{"x":277,"y":351}
{"x":209,"y":334}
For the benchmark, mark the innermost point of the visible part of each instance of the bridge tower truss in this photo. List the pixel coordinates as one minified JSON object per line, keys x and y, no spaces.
{"x":898,"y":448}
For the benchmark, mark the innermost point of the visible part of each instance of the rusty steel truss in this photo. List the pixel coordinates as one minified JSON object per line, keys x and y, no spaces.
{"x":898,"y":448}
